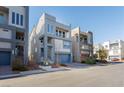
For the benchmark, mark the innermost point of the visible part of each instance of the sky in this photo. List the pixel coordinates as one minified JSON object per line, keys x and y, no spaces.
{"x":106,"y":23}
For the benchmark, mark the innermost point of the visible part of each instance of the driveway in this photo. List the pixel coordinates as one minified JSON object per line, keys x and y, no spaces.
{"x":96,"y":76}
{"x":78,"y":65}
{"x":5,"y":70}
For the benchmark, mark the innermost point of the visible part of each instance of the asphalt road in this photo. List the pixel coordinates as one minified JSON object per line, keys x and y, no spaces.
{"x":96,"y":76}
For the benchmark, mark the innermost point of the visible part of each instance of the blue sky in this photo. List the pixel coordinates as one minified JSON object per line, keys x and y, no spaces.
{"x":106,"y":23}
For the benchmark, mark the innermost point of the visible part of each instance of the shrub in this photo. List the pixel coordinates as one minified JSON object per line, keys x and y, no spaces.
{"x":55,"y":65}
{"x":17,"y":65}
{"x":83,"y":61}
{"x":64,"y":65}
{"x":32,"y":65}
{"x":90,"y":61}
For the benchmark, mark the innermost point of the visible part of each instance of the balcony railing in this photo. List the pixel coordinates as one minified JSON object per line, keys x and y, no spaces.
{"x":3,"y":20}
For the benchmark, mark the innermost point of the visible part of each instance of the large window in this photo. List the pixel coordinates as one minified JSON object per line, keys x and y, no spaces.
{"x":21,"y":20}
{"x":60,"y":33}
{"x":42,"y":52}
{"x":66,"y":44}
{"x":57,"y":33}
{"x":63,"y":34}
{"x":13,"y":17}
{"x":17,"y":19}
{"x":50,"y":28}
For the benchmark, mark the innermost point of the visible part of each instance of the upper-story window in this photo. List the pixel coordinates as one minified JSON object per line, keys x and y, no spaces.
{"x":57,"y":33}
{"x":60,"y":33}
{"x":21,"y":20}
{"x":85,"y":40}
{"x":66,"y":44}
{"x":17,"y":19}
{"x":13,"y":17}
{"x":63,"y":34}
{"x":50,"y":28}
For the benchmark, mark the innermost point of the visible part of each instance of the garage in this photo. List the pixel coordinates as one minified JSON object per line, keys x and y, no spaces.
{"x":65,"y":58}
{"x":5,"y":58}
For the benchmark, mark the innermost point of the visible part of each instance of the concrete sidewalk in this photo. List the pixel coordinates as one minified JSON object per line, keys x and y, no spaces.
{"x":24,"y":73}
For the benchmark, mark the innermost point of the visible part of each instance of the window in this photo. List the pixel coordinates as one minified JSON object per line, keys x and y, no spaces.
{"x":85,"y":40}
{"x":50,"y":28}
{"x":17,"y":19}
{"x":115,"y":52}
{"x":63,"y":34}
{"x":42,"y":52}
{"x":60,"y":33}
{"x":56,"y":32}
{"x":13,"y":17}
{"x":66,"y":44}
{"x":21,"y":20}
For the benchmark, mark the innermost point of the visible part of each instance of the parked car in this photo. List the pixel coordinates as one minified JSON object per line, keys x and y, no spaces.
{"x":115,"y":59}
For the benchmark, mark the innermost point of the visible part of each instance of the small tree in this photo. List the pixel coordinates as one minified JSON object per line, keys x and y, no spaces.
{"x":102,"y":53}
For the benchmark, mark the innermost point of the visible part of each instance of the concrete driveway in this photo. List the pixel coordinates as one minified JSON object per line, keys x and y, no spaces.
{"x":96,"y":76}
{"x":78,"y":65}
{"x":5,"y":70}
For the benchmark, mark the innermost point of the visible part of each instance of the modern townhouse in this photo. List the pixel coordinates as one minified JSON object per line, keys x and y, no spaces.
{"x":50,"y":40}
{"x":82,"y":44}
{"x":115,"y":49}
{"x":13,"y":34}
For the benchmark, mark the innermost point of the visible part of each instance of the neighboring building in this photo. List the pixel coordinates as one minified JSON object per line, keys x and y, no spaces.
{"x":82,"y":43}
{"x":50,"y":40}
{"x":96,"y":48}
{"x":115,"y":49}
{"x":13,"y":33}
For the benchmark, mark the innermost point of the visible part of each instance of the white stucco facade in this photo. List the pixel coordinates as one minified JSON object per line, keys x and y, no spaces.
{"x":5,"y":45}
{"x":50,"y":37}
{"x":5,"y":33}
{"x":115,"y":49}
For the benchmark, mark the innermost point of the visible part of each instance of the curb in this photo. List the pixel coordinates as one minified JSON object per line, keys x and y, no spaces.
{"x":9,"y":76}
{"x":28,"y":73}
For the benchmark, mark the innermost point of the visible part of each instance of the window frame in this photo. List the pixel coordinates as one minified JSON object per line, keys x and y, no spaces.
{"x":21,"y":20}
{"x":17,"y":19}
{"x":65,"y":45}
{"x":13,"y":17}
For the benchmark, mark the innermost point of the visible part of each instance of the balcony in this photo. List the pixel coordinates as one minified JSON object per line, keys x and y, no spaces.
{"x":50,"y":40}
{"x":3,"y":15}
{"x":3,"y":20}
{"x":20,"y":36}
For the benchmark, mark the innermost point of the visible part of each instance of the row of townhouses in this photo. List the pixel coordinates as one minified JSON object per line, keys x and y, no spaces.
{"x":115,"y":49}
{"x":48,"y":40}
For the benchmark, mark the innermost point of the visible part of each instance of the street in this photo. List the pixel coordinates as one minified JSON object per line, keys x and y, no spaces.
{"x":96,"y":76}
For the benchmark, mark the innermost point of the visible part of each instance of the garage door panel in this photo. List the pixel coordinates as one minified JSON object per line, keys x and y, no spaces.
{"x":4,"y":58}
{"x":65,"y":58}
